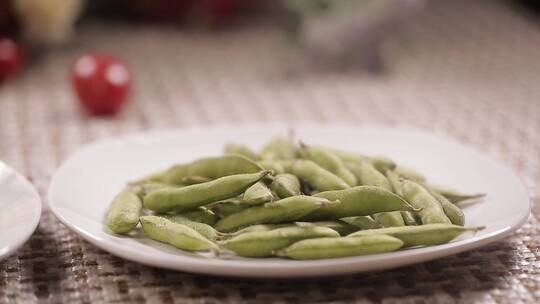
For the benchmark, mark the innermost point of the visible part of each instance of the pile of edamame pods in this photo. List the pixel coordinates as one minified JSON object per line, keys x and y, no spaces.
{"x":290,"y":200}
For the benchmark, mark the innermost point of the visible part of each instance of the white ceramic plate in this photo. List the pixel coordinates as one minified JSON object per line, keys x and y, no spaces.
{"x":20,"y":210}
{"x":84,"y":185}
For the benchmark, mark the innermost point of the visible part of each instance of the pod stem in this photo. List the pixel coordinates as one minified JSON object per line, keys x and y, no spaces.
{"x":279,"y":253}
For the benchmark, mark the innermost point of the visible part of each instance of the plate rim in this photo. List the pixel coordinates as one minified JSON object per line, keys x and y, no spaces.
{"x":245,"y":267}
{"x":37,"y":204}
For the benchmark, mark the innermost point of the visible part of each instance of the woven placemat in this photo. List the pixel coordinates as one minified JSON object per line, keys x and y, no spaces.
{"x":466,"y":69}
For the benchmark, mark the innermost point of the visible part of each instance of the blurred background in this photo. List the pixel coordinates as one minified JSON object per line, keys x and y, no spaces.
{"x":73,"y":71}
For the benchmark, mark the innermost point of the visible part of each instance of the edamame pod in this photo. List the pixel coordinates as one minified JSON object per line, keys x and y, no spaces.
{"x":201,"y":215}
{"x":271,"y":165}
{"x":211,"y":167}
{"x":192,"y":180}
{"x":340,"y":227}
{"x":257,"y":194}
{"x":362,"y":222}
{"x":285,"y":210}
{"x":360,"y":200}
{"x":149,"y":187}
{"x":124,"y":212}
{"x":285,"y":185}
{"x":228,"y":207}
{"x":205,"y":230}
{"x":453,"y":195}
{"x":421,"y":235}
{"x":431,"y":210}
{"x":261,"y":228}
{"x":317,"y":177}
{"x":242,"y":150}
{"x":395,"y":181}
{"x":262,"y":244}
{"x":329,"y":161}
{"x":190,"y":197}
{"x":177,"y":235}
{"x":277,"y":166}
{"x":367,"y":175}
{"x":347,"y":156}
{"x":408,"y":218}
{"x":382,"y":163}
{"x":410,"y":173}
{"x":453,"y":212}
{"x":389,"y":219}
{"x":327,"y":248}
{"x":280,"y":148}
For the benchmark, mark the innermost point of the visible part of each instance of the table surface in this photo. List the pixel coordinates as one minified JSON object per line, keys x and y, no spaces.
{"x":467,"y":69}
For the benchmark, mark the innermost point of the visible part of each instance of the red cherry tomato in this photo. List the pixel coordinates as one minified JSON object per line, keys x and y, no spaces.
{"x":102,"y":83}
{"x":12,"y":58}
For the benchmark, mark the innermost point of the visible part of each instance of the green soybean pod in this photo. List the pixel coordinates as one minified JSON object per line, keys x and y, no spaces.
{"x":368,"y":175}
{"x":177,"y":235}
{"x":136,"y":189}
{"x":408,"y":218}
{"x":382,"y":163}
{"x":395,"y":181}
{"x":262,"y":244}
{"x":410,"y":173}
{"x":362,"y":222}
{"x":123,"y":214}
{"x":347,"y":156}
{"x":243,"y":150}
{"x":193,"y":180}
{"x":327,"y":248}
{"x":261,"y":228}
{"x":272,"y":165}
{"x":205,"y":230}
{"x":149,"y":187}
{"x":340,"y":227}
{"x":389,"y":219}
{"x":421,"y":235}
{"x":453,"y":212}
{"x":190,"y":197}
{"x":329,"y":161}
{"x":277,"y":166}
{"x":317,"y":177}
{"x":279,"y":148}
{"x":211,"y":167}
{"x":285,"y":185}
{"x":201,"y":215}
{"x":356,"y":201}
{"x":257,"y":194}
{"x":285,"y":210}
{"x":453,"y":195}
{"x":228,"y":207}
{"x":431,"y":210}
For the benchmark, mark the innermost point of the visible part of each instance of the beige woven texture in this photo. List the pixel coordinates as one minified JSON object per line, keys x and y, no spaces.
{"x":467,"y":69}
